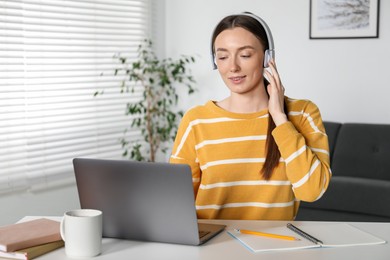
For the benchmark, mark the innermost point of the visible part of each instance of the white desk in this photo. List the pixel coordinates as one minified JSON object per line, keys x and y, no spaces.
{"x":225,"y":247}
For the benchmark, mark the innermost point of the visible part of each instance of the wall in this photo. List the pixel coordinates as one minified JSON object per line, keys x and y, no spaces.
{"x":347,"y":79}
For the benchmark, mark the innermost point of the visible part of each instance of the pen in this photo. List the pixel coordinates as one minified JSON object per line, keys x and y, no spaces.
{"x":304,"y":234}
{"x":258,"y":233}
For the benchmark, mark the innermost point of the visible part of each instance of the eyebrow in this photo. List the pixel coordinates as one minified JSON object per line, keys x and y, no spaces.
{"x":240,"y":49}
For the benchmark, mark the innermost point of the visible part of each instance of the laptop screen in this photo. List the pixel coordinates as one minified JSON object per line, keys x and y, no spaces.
{"x":140,"y":200}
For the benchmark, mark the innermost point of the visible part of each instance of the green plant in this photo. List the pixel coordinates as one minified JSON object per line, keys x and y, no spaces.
{"x":155,"y":113}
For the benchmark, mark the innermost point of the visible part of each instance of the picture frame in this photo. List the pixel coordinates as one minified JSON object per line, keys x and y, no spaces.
{"x":344,"y":19}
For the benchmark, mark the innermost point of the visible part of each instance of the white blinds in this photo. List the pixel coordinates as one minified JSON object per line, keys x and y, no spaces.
{"x":54,"y":54}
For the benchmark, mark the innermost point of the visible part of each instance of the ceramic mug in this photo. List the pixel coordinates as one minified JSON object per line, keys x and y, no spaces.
{"x":81,"y":229}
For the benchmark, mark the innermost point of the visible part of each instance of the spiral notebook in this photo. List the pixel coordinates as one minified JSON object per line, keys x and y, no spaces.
{"x":330,"y":234}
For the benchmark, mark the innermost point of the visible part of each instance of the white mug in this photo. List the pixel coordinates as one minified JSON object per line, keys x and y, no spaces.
{"x":81,"y":229}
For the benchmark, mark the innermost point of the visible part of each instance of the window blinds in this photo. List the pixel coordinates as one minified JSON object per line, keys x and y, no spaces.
{"x":54,"y":54}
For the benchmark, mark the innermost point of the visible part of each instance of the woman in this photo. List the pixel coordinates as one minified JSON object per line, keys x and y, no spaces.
{"x":256,"y":153}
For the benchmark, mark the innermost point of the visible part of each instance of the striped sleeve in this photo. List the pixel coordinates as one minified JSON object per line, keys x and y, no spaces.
{"x":303,"y":145}
{"x":184,"y":152}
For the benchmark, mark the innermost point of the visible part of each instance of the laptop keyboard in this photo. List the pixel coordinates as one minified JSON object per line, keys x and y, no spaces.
{"x":203,"y":233}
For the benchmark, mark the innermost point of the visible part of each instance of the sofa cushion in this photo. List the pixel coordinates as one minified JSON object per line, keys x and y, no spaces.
{"x":362,"y":150}
{"x":332,"y":129}
{"x":355,"y":195}
{"x":314,"y":214}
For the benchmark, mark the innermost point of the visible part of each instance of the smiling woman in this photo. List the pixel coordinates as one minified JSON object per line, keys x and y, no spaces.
{"x":51,"y":56}
{"x":256,"y":153}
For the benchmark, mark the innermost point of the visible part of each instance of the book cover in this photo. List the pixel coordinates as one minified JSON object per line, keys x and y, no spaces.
{"x":32,"y":252}
{"x":28,"y":234}
{"x":331,"y":235}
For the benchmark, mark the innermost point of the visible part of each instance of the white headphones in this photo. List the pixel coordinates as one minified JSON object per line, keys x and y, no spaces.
{"x":269,"y":53}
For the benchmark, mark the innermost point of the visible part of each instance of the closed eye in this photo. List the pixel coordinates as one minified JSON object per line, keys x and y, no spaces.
{"x":222,"y":58}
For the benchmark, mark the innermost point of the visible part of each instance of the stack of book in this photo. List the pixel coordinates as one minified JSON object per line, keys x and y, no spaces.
{"x":30,"y":239}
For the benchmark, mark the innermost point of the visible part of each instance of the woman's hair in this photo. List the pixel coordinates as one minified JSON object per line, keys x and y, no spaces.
{"x":252,"y":25}
{"x":244,"y":21}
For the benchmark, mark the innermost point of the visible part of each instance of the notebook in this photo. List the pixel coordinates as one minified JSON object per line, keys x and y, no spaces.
{"x":142,"y":200}
{"x":329,"y":235}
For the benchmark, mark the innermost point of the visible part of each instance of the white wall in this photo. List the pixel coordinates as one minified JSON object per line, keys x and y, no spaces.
{"x":347,"y":79}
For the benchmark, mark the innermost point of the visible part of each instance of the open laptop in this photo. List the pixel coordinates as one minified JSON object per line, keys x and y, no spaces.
{"x":142,"y":201}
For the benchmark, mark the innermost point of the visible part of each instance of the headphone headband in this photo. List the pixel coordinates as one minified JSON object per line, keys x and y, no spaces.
{"x":266,"y":29}
{"x":269,"y":53}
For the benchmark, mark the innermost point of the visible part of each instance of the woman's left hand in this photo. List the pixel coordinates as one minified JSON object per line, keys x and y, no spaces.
{"x":276,"y":95}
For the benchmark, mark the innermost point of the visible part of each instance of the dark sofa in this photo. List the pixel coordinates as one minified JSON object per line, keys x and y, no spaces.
{"x":360,"y":186}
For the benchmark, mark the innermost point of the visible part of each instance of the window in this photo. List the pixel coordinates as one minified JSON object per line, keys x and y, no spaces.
{"x":54,"y":54}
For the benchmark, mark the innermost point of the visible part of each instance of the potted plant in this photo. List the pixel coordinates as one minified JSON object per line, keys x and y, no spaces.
{"x":154,"y":115}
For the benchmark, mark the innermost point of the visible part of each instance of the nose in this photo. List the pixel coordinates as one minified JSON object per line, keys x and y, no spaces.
{"x":234,"y":66}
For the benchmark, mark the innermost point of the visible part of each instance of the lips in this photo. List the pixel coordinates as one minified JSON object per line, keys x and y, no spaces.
{"x":237,"y":79}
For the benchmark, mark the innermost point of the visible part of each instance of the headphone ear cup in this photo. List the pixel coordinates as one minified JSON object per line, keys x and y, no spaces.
{"x":267,"y":58}
{"x":214,"y":62}
{"x":268,"y":55}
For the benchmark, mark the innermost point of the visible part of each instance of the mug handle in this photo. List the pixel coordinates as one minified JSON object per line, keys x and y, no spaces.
{"x":62,"y":228}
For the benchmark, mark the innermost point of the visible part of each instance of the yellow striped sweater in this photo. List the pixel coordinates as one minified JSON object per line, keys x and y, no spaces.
{"x":226,"y":152}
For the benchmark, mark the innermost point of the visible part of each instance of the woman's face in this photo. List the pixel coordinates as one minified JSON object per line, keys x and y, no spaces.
{"x":239,"y":57}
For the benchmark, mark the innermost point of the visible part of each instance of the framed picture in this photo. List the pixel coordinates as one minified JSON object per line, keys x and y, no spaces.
{"x":344,"y":19}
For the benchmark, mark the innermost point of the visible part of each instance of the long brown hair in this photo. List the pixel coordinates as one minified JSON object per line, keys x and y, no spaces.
{"x":252,"y":25}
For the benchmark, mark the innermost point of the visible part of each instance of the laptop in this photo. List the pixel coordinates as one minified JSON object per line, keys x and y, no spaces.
{"x":142,"y":200}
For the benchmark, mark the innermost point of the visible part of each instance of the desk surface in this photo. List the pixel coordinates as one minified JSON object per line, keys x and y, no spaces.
{"x":225,"y":247}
